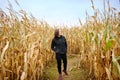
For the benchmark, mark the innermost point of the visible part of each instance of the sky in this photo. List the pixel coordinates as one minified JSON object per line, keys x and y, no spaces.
{"x":59,"y":12}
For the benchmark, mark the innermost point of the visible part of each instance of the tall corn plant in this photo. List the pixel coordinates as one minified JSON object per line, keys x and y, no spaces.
{"x":24,"y":46}
{"x":102,"y":37}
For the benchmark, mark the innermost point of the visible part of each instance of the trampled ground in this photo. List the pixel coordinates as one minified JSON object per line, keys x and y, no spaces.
{"x":75,"y":73}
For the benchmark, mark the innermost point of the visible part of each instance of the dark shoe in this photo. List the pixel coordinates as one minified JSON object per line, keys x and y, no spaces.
{"x":60,"y":77}
{"x":65,"y":72}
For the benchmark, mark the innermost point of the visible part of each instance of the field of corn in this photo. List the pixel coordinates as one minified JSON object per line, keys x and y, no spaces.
{"x":25,"y":44}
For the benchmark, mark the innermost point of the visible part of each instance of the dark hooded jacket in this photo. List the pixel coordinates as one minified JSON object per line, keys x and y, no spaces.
{"x":59,"y":44}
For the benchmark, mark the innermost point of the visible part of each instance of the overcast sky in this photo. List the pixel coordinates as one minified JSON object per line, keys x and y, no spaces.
{"x":59,"y":11}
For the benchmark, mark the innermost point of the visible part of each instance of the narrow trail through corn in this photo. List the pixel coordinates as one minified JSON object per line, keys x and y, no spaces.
{"x":75,"y":73}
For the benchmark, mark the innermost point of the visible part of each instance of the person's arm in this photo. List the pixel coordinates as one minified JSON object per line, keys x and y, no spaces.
{"x":53,"y":45}
{"x":65,"y":43}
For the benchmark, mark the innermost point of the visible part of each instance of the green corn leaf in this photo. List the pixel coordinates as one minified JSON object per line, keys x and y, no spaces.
{"x":116,"y":66}
{"x":118,"y":58}
{"x":109,"y":44}
{"x":105,"y":34}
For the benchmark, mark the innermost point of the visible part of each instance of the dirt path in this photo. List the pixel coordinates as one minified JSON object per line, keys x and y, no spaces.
{"x":75,"y":73}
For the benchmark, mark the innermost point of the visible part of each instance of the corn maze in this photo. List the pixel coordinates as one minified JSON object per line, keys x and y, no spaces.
{"x":25,"y":44}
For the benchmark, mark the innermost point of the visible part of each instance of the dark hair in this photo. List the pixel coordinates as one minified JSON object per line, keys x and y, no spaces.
{"x":56,"y":33}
